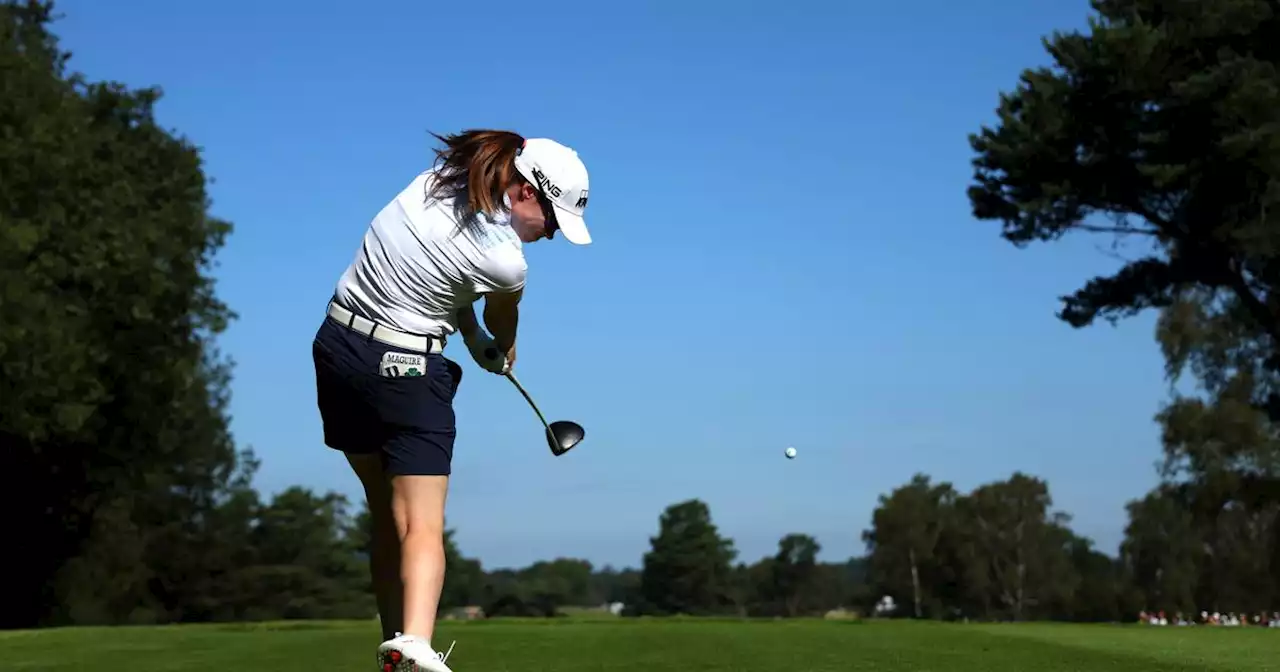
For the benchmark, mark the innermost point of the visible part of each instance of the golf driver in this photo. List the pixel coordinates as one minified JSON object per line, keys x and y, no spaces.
{"x":562,"y":435}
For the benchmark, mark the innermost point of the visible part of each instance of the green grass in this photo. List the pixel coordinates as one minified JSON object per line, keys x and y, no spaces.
{"x":686,"y":645}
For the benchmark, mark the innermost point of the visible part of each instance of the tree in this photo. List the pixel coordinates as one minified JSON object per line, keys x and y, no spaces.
{"x":1161,"y":121}
{"x":1223,"y":440}
{"x":1014,"y":549}
{"x":748,"y":587}
{"x":906,"y":529}
{"x":609,"y":585}
{"x":791,"y":582}
{"x":197,"y":552}
{"x":1101,"y":595}
{"x":1221,"y":467}
{"x":688,"y":567}
{"x":113,"y":428}
{"x":563,"y":581}
{"x":1161,"y":551}
{"x":795,"y":568}
{"x":306,"y":560}
{"x":835,"y":586}
{"x":1160,"y":125}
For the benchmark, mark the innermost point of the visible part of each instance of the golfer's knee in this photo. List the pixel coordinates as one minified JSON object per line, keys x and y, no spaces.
{"x":420,"y":531}
{"x":419,"y":507}
{"x":420,"y":534}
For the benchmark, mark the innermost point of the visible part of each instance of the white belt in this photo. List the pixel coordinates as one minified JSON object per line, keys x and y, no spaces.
{"x":378,"y":332}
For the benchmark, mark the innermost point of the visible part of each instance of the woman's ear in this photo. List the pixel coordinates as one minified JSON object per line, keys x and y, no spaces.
{"x":527,"y":192}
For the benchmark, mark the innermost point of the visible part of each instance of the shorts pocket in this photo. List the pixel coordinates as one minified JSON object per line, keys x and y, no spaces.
{"x":417,"y":373}
{"x":422,"y":403}
{"x":395,"y":364}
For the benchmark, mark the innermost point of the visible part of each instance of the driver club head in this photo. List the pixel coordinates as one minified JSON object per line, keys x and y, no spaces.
{"x":563,"y":436}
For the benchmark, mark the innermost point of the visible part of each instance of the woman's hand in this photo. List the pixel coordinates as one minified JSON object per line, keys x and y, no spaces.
{"x":511,"y":358}
{"x":486,"y":353}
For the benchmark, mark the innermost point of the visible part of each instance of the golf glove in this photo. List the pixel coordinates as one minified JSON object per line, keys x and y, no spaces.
{"x":480,"y":345}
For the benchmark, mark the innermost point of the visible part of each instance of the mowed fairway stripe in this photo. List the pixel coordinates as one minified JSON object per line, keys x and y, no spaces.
{"x":684,"y":645}
{"x":1186,"y":648}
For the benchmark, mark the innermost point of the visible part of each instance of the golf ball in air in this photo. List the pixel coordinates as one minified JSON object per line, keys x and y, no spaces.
{"x":791,"y":453}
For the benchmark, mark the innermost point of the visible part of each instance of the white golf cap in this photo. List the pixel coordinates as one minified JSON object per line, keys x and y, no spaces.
{"x":562,"y":177}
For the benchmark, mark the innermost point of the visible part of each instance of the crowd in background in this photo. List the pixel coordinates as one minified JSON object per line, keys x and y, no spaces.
{"x":1229,"y":619}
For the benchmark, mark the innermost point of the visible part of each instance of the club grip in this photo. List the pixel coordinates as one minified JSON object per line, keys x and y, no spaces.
{"x":491,"y":353}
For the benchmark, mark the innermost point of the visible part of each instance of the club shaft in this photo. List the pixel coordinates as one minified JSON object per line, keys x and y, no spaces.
{"x":512,"y":378}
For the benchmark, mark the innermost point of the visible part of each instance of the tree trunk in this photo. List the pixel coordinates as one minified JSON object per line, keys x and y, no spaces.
{"x":1020,"y":587}
{"x":915,"y":580}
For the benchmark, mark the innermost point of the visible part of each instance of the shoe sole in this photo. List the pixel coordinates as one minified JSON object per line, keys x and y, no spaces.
{"x":394,"y":660}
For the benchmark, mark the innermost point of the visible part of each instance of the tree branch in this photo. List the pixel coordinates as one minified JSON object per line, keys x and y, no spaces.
{"x":1116,"y":229}
{"x":1266,"y":319}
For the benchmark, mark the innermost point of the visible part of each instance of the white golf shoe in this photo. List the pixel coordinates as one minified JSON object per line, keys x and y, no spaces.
{"x":407,"y":653}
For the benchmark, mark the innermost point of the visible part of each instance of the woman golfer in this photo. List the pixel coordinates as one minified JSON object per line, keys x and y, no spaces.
{"x":385,"y":390}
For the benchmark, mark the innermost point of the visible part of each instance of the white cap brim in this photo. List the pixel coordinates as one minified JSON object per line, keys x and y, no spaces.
{"x":573,"y":226}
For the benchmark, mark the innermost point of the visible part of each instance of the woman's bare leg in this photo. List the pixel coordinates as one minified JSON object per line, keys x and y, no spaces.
{"x":384,"y":556}
{"x":418,"y":503}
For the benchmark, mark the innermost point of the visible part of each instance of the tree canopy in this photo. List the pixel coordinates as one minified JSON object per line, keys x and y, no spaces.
{"x":112,"y":398}
{"x":1158,"y":123}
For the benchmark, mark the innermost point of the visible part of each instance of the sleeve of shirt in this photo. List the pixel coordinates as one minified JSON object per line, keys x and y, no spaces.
{"x":501,"y":271}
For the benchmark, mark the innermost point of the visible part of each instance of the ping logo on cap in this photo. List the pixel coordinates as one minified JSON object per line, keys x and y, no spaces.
{"x":546,"y":184}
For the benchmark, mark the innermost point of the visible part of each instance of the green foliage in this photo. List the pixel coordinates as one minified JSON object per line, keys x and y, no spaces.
{"x":687,"y":570}
{"x":1226,"y":439}
{"x":112,"y":397}
{"x":1102,"y":594}
{"x":903,"y":543}
{"x":1161,"y":120}
{"x":795,"y":572}
{"x":998,"y":552}
{"x":1209,"y":535}
{"x":1016,"y":545}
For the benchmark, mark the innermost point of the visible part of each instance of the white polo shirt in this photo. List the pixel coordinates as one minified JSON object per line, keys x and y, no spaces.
{"x":417,"y":265}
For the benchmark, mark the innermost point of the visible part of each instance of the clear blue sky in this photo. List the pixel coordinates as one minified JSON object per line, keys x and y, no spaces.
{"x":784,"y":254}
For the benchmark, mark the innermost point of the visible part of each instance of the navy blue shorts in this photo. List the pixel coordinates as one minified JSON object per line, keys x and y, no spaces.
{"x":407,"y":418}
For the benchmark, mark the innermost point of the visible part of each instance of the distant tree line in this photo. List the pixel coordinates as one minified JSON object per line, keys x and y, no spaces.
{"x":125,"y":499}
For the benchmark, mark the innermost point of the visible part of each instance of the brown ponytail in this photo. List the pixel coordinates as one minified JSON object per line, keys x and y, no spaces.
{"x":475,"y":167}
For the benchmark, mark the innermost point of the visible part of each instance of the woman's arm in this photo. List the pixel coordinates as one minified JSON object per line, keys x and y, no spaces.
{"x":467,"y":323}
{"x":501,"y":317}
